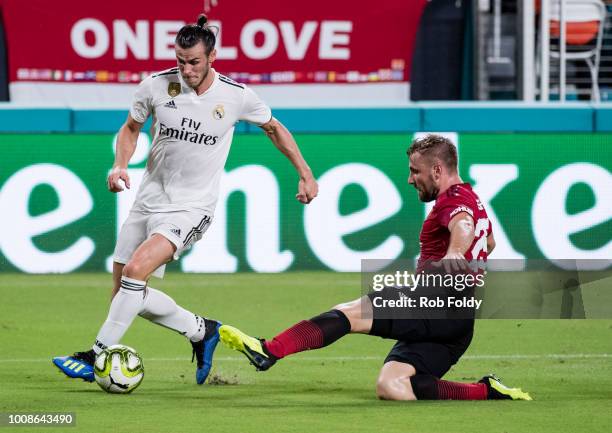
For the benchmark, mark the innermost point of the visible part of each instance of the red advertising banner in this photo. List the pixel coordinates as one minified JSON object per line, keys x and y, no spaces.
{"x":275,"y":41}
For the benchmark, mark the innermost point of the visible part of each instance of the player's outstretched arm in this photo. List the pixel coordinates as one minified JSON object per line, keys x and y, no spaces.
{"x":284,"y":141}
{"x":126,"y":145}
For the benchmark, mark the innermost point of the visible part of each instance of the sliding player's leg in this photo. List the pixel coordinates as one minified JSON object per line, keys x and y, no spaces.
{"x":315,"y":333}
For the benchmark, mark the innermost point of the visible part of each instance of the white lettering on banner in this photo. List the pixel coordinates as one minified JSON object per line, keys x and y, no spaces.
{"x":489,"y":180}
{"x":18,"y":227}
{"x":297,"y":46}
{"x":333,"y":34}
{"x":270,"y":37}
{"x":165,"y":33}
{"x":552,"y":226}
{"x":262,"y":228}
{"x":334,"y":39}
{"x":137,"y":41}
{"x":325,"y":226}
{"x":79,"y":43}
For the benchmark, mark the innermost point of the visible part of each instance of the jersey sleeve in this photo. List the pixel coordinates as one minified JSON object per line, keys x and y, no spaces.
{"x":142,"y":101}
{"x":254,"y":110}
{"x":453,"y":206}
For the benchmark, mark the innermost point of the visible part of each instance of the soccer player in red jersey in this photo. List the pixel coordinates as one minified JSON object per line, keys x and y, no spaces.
{"x":456,"y":232}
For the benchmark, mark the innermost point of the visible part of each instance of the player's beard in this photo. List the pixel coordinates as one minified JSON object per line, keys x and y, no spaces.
{"x":427,"y":194}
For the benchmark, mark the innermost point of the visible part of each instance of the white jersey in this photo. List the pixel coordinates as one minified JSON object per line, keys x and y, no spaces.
{"x":193,"y":135}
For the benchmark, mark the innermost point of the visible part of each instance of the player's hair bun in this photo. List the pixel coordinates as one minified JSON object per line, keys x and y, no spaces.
{"x":202,"y":20}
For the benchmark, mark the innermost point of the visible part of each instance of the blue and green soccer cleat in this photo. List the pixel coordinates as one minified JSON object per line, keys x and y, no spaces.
{"x":77,"y":366}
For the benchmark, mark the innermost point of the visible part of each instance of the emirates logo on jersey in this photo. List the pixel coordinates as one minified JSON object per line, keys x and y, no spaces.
{"x":188,"y":131}
{"x":219,"y":112}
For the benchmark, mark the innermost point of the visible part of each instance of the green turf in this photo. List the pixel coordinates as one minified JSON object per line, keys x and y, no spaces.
{"x":330,"y":390}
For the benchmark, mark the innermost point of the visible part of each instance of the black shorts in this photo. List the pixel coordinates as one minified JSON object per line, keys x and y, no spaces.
{"x":431,"y":346}
{"x":430,"y":355}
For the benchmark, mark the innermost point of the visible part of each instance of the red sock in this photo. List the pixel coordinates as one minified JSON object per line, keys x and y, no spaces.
{"x":428,"y":387}
{"x":304,"y":335}
{"x":461,"y":391}
{"x":317,"y":332}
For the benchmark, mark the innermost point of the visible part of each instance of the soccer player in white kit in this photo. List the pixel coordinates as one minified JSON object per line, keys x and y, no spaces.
{"x":195,"y":110}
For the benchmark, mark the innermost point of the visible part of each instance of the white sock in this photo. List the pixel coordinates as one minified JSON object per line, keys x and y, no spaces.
{"x":161,"y":309}
{"x":126,"y":305}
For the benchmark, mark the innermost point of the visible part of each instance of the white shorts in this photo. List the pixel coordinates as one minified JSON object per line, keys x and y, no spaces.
{"x":183,"y":229}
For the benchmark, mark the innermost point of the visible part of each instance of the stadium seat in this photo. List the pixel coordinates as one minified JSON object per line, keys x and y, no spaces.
{"x":584,"y":34}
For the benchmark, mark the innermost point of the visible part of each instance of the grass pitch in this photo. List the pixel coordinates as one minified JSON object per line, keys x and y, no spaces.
{"x":565,"y":365}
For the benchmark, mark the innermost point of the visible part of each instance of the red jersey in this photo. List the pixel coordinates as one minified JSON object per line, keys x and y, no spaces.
{"x":435,"y":236}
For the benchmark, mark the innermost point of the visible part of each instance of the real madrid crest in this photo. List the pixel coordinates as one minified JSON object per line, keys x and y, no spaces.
{"x":219,"y":112}
{"x":174,"y":89}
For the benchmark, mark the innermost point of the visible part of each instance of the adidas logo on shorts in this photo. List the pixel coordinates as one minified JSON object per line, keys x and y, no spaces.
{"x":171,"y":104}
{"x":176,"y":232}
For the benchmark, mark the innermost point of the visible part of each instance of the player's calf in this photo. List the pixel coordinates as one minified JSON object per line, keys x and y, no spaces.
{"x":428,"y":387}
{"x":320,"y":331}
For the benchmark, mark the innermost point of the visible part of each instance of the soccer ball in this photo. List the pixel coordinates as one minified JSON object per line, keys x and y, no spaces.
{"x":118,"y":369}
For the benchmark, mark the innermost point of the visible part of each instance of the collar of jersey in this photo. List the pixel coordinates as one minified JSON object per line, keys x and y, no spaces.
{"x":439,"y":197}
{"x":191,"y":91}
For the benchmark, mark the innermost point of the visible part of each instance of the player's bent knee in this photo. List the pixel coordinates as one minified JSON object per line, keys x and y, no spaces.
{"x":382,"y":390}
{"x":134,"y":270}
{"x":394,"y":381}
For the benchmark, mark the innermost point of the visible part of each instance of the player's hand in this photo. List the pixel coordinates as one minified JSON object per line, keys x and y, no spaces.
{"x":307,"y":190}
{"x":453,"y":262}
{"x":113,"y":182}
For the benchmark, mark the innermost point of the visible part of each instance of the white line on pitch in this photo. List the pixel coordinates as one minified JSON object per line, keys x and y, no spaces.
{"x":366,"y":358}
